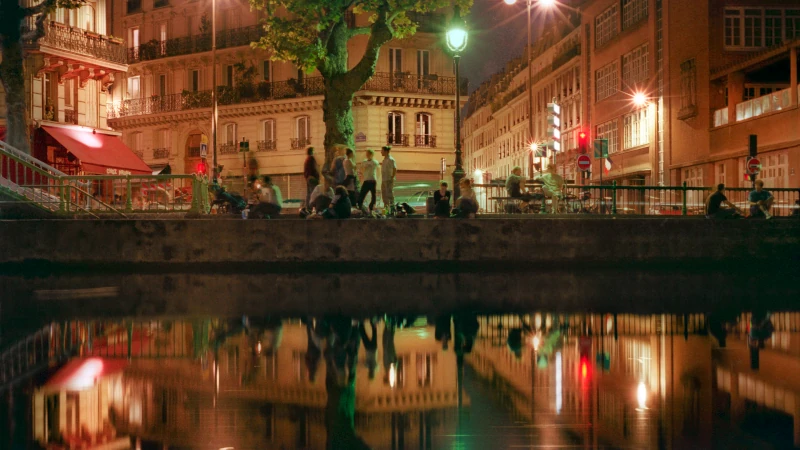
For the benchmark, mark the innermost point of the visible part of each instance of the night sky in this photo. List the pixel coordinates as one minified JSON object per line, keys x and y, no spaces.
{"x":497,"y":35}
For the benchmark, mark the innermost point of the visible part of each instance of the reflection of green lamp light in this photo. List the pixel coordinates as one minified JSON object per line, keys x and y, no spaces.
{"x":541,"y":362}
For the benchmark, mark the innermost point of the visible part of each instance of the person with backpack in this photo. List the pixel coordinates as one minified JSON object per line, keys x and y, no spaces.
{"x":369,"y":173}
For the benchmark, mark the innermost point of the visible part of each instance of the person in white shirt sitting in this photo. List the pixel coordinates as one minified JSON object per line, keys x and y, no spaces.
{"x":269,"y":200}
{"x":322,"y":195}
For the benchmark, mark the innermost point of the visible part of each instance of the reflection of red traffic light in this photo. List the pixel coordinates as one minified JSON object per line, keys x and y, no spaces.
{"x":584,"y":370}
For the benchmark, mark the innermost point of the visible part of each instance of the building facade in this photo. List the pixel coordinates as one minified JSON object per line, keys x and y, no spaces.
{"x":163,"y":106}
{"x":707,"y":74}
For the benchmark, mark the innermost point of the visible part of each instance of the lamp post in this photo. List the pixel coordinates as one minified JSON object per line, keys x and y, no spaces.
{"x":457,"y":42}
{"x":214,"y":90}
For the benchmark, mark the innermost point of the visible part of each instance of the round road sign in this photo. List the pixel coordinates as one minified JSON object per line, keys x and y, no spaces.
{"x":753,"y":166}
{"x":584,"y":162}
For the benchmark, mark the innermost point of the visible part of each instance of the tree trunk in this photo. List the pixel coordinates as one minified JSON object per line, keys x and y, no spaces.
{"x":13,"y":78}
{"x":337,"y":113}
{"x":12,"y":74}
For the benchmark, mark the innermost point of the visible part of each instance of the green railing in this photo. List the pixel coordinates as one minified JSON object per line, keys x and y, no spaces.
{"x":613,"y":199}
{"x":26,"y":180}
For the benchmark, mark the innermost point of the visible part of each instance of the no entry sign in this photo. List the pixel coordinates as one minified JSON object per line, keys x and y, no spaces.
{"x":584,"y":162}
{"x":753,"y":166}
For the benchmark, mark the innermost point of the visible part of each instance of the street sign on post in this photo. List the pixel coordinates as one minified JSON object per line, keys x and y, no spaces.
{"x":554,"y":125}
{"x":753,"y":166}
{"x":584,"y":162}
{"x":601,"y":148}
{"x":203,"y":150}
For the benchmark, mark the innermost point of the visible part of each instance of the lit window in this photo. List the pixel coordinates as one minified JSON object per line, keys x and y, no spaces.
{"x":605,"y":25}
{"x":632,"y":12}
{"x":230,"y":133}
{"x":636,"y":129}
{"x":608,"y":130}
{"x":635,"y":67}
{"x":396,"y":127}
{"x":607,"y":81}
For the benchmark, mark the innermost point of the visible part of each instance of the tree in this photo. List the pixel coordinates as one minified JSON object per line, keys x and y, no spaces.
{"x":13,"y":33}
{"x":313,"y":34}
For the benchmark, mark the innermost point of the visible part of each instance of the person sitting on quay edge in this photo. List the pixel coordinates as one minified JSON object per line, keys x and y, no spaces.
{"x":269,"y":200}
{"x":553,"y":185}
{"x":340,"y":207}
{"x":322,"y":196}
{"x":441,"y":201}
{"x":515,"y":186}
{"x":714,"y":208}
{"x":760,"y":201}
{"x":466,"y":206}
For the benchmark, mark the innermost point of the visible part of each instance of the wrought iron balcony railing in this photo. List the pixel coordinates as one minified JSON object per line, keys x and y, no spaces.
{"x":155,"y":49}
{"x":300,"y":142}
{"x":228,"y":149}
{"x":161,"y":153}
{"x":78,"y":41}
{"x":266,"y":146}
{"x":139,"y":153}
{"x":400,"y":140}
{"x":264,"y":91}
{"x":425,"y":140}
{"x":71,"y":116}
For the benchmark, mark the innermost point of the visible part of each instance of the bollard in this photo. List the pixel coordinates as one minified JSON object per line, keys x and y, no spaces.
{"x":614,"y":198}
{"x":683,"y":207}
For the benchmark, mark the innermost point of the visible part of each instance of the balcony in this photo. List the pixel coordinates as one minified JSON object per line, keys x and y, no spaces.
{"x":298,"y":143}
{"x":63,"y":38}
{"x":762,"y":105}
{"x":71,"y":116}
{"x":266,"y":146}
{"x":186,"y":45}
{"x":139,"y":153}
{"x":228,"y":149}
{"x":425,"y":140}
{"x":162,"y":153}
{"x":399,"y":140}
{"x":264,"y":91}
{"x":412,"y":84}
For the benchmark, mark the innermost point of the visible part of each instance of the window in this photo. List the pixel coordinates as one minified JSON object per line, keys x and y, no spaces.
{"x":133,"y":37}
{"x":605,"y":25}
{"x":721,"y":173}
{"x":228,"y":76}
{"x":424,"y":136}
{"x":395,"y":132}
{"x":134,"y":6}
{"x":632,"y":12}
{"x":747,"y":28}
{"x":607,"y":81}
{"x":423,"y":63}
{"x":267,"y":71}
{"x":134,"y":87}
{"x":136,"y":141}
{"x":395,"y":60}
{"x":162,"y":85}
{"x":608,"y":130}
{"x":636,"y":129}
{"x":269,"y":130}
{"x":303,"y":129}
{"x":162,"y":38}
{"x":635,"y":66}
{"x":688,"y":84}
{"x":68,"y":87}
{"x":230,"y":133}
{"x":194,"y":80}
{"x":162,"y":138}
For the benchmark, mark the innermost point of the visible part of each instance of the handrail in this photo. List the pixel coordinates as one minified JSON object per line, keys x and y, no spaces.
{"x":29,"y":159}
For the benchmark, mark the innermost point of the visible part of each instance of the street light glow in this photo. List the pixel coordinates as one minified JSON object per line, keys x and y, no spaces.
{"x":639,"y":99}
{"x":510,"y":2}
{"x":533,"y":146}
{"x":547,"y":3}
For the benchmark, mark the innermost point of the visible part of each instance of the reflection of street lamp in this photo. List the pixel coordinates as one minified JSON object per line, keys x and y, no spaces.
{"x":641,"y":396}
{"x":457,"y":42}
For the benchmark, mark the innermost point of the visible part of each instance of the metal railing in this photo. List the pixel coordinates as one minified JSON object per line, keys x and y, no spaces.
{"x":163,"y":153}
{"x":28,"y":180}
{"x":721,"y":117}
{"x":277,"y":90}
{"x":625,"y":200}
{"x":400,"y":140}
{"x":186,"y":45}
{"x":266,"y":146}
{"x":71,"y":116}
{"x":300,"y":142}
{"x":228,"y":149}
{"x":763,"y":105}
{"x":139,"y":153}
{"x":81,"y":42}
{"x":425,"y":140}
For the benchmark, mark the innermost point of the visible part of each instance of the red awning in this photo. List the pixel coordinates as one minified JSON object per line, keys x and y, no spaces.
{"x":83,"y":373}
{"x":99,"y":153}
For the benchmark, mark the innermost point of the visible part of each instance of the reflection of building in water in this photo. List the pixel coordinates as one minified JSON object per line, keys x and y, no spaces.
{"x":764,"y":402}
{"x":627,"y":386}
{"x":168,"y":395}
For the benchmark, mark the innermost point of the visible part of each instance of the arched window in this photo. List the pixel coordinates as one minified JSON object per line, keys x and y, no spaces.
{"x":424,"y":134}
{"x":302,"y":132}
{"x":396,"y":131}
{"x":268,"y":136}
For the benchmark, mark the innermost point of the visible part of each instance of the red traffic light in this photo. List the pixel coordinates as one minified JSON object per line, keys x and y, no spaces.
{"x":583,"y":141}
{"x":201,"y":168}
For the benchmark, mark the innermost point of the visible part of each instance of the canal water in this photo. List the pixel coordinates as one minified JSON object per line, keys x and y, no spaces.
{"x":419,"y":360}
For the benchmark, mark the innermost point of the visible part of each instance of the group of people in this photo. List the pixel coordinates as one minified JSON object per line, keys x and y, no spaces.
{"x":552,"y":188}
{"x":760,"y":201}
{"x":332,"y":196}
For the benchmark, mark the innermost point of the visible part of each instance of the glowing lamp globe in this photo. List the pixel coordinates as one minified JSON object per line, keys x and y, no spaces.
{"x":457,"y":35}
{"x":639,"y":99}
{"x":510,"y":2}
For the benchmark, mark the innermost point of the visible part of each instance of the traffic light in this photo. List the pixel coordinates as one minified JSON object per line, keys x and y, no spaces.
{"x":244,"y":146}
{"x":583,"y":142}
{"x":554,"y":126}
{"x":201,"y":168}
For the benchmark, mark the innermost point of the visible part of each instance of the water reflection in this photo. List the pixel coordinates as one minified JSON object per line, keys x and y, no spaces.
{"x":456,"y":380}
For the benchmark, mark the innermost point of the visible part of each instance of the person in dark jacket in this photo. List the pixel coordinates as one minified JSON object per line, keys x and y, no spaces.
{"x":441,"y":201}
{"x":310,"y":173}
{"x":340,"y":207}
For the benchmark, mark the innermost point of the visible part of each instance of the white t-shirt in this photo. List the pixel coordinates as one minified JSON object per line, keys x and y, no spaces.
{"x":388,"y":166}
{"x":271,"y":194}
{"x":369,"y":168}
{"x":349,"y":167}
{"x":319,"y":190}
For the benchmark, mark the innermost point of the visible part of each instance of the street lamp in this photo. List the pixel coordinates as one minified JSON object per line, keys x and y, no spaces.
{"x":457,"y":42}
{"x":639,"y":99}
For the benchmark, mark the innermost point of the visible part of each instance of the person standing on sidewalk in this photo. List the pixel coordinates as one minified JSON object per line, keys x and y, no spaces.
{"x":369,"y":173}
{"x":388,"y":173}
{"x":350,"y":179}
{"x":311,"y":174}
